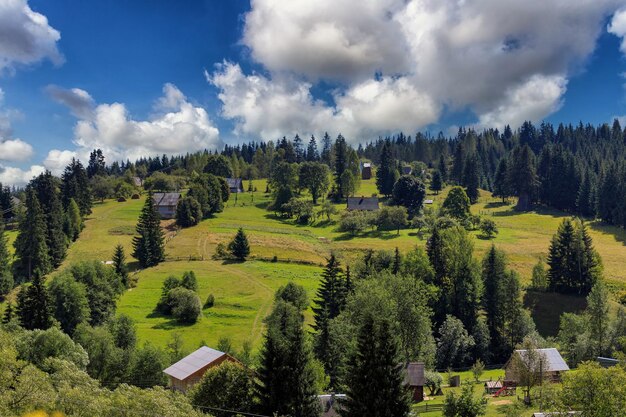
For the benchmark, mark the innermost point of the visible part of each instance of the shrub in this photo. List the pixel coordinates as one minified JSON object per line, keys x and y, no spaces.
{"x":353,"y":222}
{"x":189,"y":281}
{"x":210,"y":301}
{"x":488,"y":228}
{"x":221,"y":252}
{"x":433,"y":381}
{"x":188,"y":212}
{"x":239,"y":246}
{"x":185,"y":304}
{"x":392,"y":218}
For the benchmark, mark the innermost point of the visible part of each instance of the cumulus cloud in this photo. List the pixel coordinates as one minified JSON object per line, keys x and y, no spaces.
{"x":17,"y":176}
{"x":395,"y":64}
{"x":25,"y":36}
{"x":275,"y":107}
{"x":15,"y":150}
{"x":78,"y":101}
{"x":618,"y":27}
{"x":57,"y":160}
{"x":177,"y":127}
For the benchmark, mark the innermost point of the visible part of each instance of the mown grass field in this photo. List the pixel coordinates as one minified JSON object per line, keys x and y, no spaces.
{"x":244,"y":292}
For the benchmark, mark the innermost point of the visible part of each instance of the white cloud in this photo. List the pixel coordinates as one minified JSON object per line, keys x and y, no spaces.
{"x":77,"y":100}
{"x":618,"y":27}
{"x":504,"y":61}
{"x":15,"y":150}
{"x":18,"y":176}
{"x":57,"y":160}
{"x":177,"y":127}
{"x":272,"y":108}
{"x":25,"y":36}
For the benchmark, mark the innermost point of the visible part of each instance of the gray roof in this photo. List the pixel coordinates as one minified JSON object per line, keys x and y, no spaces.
{"x":363,"y":203}
{"x":554,"y":360}
{"x":414,"y":374}
{"x":234,"y":183}
{"x":166,"y":199}
{"x":607,"y":362}
{"x":16,"y":201}
{"x":407,"y":170}
{"x":193,"y":362}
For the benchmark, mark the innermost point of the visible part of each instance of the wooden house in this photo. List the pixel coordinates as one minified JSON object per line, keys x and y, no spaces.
{"x":166,"y":204}
{"x":363,"y":203}
{"x":235,"y":185}
{"x":549,"y":364}
{"x":366,"y":171}
{"x":415,"y":380}
{"x":188,"y":371}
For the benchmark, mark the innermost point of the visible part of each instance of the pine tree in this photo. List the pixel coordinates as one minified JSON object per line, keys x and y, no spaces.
{"x":149,"y":246}
{"x":31,"y":250}
{"x":386,"y":174}
{"x":501,"y":187}
{"x":298,"y":149}
{"x":584,"y":202}
{"x":239,"y":246}
{"x":119,"y":263}
{"x":522,"y":176}
{"x":312,"y":154}
{"x":326,"y":156}
{"x":46,"y":190}
{"x":494,"y":271}
{"x":6,"y":277}
{"x":374,"y":379}
{"x":471,"y":178}
{"x":8,"y":314}
{"x":286,"y":375}
{"x":436,"y":184}
{"x":341,"y":163}
{"x":442,"y":167}
{"x":73,"y":221}
{"x":33,"y":306}
{"x":76,"y":185}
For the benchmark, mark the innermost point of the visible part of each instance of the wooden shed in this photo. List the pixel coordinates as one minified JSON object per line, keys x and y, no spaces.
{"x":166,"y":204}
{"x":415,"y":380}
{"x":550,"y":364}
{"x":366,"y":171}
{"x":188,"y":371}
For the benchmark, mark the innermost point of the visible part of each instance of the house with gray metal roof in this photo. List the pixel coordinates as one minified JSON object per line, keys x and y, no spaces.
{"x":363,"y":203}
{"x":547,"y":362}
{"x":166,"y":204}
{"x":188,"y":371}
{"x":235,"y":185}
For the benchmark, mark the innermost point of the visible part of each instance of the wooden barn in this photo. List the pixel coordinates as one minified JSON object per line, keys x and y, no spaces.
{"x":166,"y":204}
{"x":363,"y":203}
{"x":415,"y":380}
{"x":188,"y":371}
{"x":235,"y":185}
{"x":366,"y":171}
{"x":550,"y":364}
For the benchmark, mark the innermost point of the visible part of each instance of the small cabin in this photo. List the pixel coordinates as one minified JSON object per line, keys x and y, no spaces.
{"x":189,"y":370}
{"x":550,"y":364}
{"x":428,"y":201}
{"x":166,"y":204}
{"x":235,"y":185}
{"x":406,"y":170}
{"x":363,"y":203}
{"x":366,"y":171}
{"x":415,"y":380}
{"x":492,"y":387}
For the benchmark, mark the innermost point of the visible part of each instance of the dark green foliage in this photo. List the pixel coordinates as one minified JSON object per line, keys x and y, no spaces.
{"x":210,"y":301}
{"x":501,"y":186}
{"x":189,"y":281}
{"x":488,"y":228}
{"x":457,"y":204}
{"x":283,"y":181}
{"x":312,"y":154}
{"x":96,"y":165}
{"x":34,"y":309}
{"x":391,"y":218}
{"x":522,"y":176}
{"x":73,"y":222}
{"x":185,"y":304}
{"x":454,"y":345}
{"x":341,"y":163}
{"x":409,"y":192}
{"x":224,"y":188}
{"x":375,"y":380}
{"x":219,"y":165}
{"x":103,"y":287}
{"x":76,"y":185}
{"x":6,"y":277}
{"x":147,"y":367}
{"x":471,"y":178}
{"x":7,"y":211}
{"x":169,"y":284}
{"x":37,"y":346}
{"x":120,"y":265}
{"x":107,"y":362}
{"x":559,"y":176}
{"x":294,"y":294}
{"x":239,"y":247}
{"x":442,"y":168}
{"x":286,"y":374}
{"x":207,"y":190}
{"x":69,"y":301}
{"x":585,"y":199}
{"x":149,"y":246}
{"x":46,"y":188}
{"x":436,"y":184}
{"x":9,"y":314}
{"x":122,"y":328}
{"x":314,"y":176}
{"x":608,"y":205}
{"x":188,"y":212}
{"x":386,"y":174}
{"x":464,"y":405}
{"x":228,"y":386}
{"x":31,"y":251}
{"x":574,"y":265}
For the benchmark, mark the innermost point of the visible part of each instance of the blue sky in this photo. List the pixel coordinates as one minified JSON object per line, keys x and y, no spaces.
{"x":146,"y":77}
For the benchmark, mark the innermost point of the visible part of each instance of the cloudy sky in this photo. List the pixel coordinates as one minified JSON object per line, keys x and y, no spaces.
{"x":147,"y":77}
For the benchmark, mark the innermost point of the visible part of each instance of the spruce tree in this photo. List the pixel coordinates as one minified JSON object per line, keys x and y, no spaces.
{"x":312,"y":154}
{"x":341,"y":164}
{"x":119,"y":263}
{"x":397,"y":262}
{"x":73,"y":221}
{"x":33,"y":305}
{"x":47,"y":193}
{"x":442,"y":167}
{"x":286,"y":375}
{"x":494,"y":271}
{"x":326,"y":155}
{"x":6,"y":277}
{"x":149,"y":246}
{"x":436,"y":184}
{"x":76,"y":185}
{"x":471,"y":178}
{"x":239,"y":246}
{"x":501,"y":186}
{"x":8,"y":314}
{"x":584,"y":201}
{"x":386,"y":174}
{"x":522,"y":176}
{"x":31,"y":250}
{"x":375,"y":377}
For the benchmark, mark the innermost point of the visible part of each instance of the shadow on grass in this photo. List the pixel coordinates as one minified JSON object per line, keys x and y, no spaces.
{"x":541,"y":210}
{"x":496,"y":204}
{"x":263,"y":205}
{"x":377,"y":234}
{"x":232,"y":262}
{"x":546,"y":309}
{"x":618,"y":233}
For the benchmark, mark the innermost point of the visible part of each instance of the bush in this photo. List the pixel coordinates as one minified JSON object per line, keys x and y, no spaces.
{"x":300,"y":209}
{"x":188,"y":212}
{"x":488,"y":228}
{"x":294,"y":294}
{"x":221,"y":252}
{"x":210,"y":301}
{"x":433,"y":381}
{"x":392,"y":218}
{"x":354,"y":222}
{"x":189,"y":281}
{"x":185,"y":304}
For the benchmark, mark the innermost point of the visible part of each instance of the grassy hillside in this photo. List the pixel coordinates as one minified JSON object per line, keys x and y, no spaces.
{"x":244,"y":291}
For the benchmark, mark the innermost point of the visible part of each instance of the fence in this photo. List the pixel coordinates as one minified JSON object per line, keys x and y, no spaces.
{"x":427,"y":408}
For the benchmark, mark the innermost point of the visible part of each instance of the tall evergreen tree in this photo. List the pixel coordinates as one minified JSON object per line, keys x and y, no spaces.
{"x":33,"y":305}
{"x":312,"y":154}
{"x":442,"y":167}
{"x":607,"y":204}
{"x":341,"y":162}
{"x":375,"y":379}
{"x":6,"y":277}
{"x":47,"y":193}
{"x":239,"y":246}
{"x":501,"y":186}
{"x":471,"y":178}
{"x":96,"y":165}
{"x":9,"y":314}
{"x":298,"y":148}
{"x":584,"y":198}
{"x":31,"y":250}
{"x":494,"y":271}
{"x":325,"y":155}
{"x":436,"y":184}
{"x":286,"y":375}
{"x":119,"y":263}
{"x":149,"y":246}
{"x":73,"y":221}
{"x":522,"y":176}
{"x":386,"y":174}
{"x":76,"y":185}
